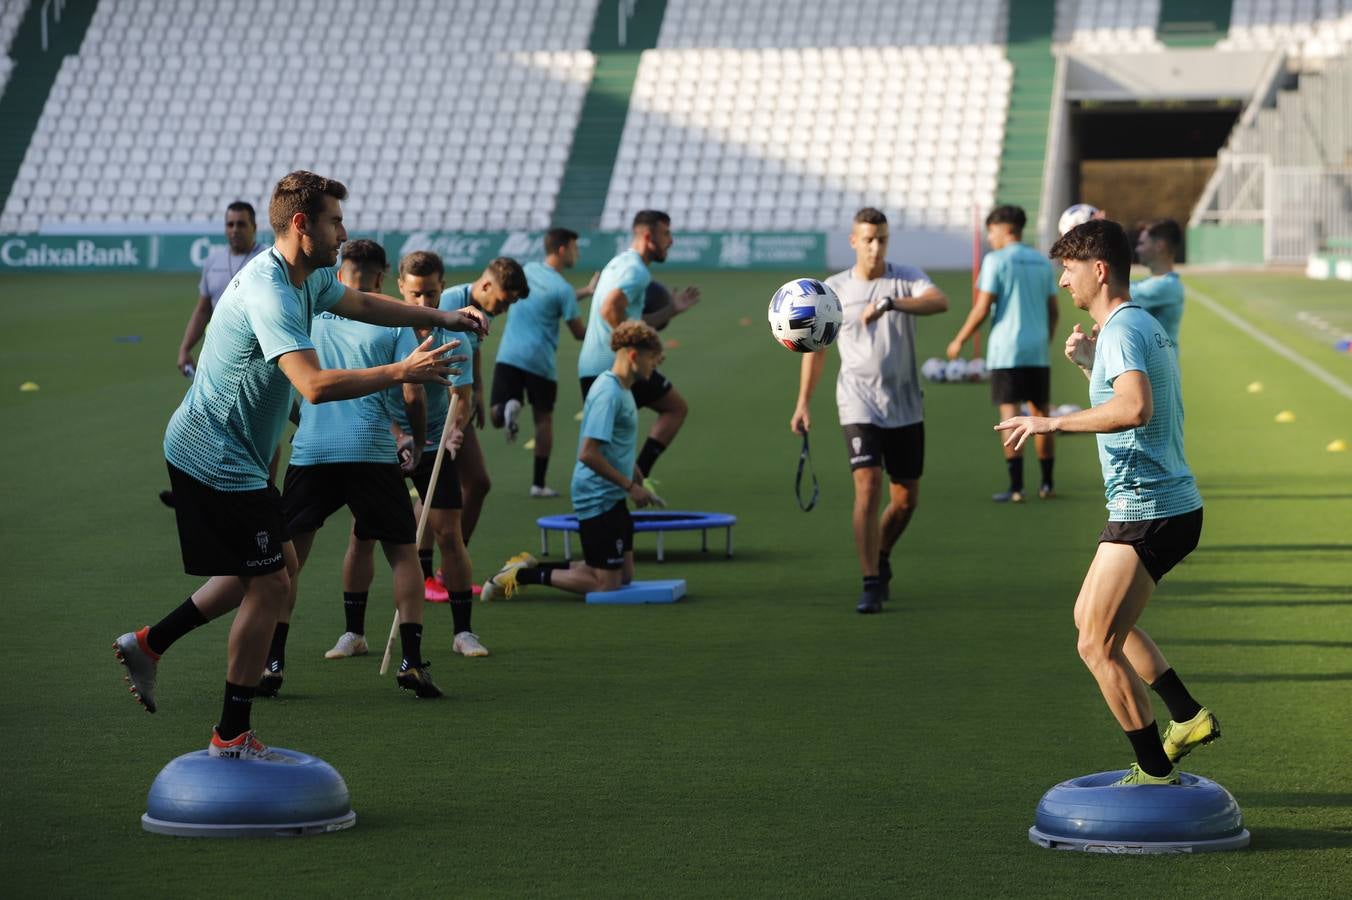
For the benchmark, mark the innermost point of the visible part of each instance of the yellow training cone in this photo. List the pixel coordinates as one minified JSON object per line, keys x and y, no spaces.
{"x":577,"y":416}
{"x":1255,"y":387}
{"x":29,"y":386}
{"x":1338,"y":446}
{"x":530,"y":444}
{"x":1285,"y":417}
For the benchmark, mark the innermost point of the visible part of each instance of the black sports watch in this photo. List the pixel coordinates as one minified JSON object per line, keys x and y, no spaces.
{"x":883,"y":304}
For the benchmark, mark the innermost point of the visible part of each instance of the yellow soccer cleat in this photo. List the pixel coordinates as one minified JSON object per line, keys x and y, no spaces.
{"x":503,"y":584}
{"x":1181,"y":738}
{"x":1138,"y":776}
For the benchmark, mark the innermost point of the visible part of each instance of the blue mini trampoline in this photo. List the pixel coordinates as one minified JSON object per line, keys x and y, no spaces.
{"x":660,"y":521}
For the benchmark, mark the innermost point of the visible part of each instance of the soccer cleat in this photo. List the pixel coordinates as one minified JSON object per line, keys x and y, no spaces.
{"x":434,"y":591}
{"x":244,"y":747}
{"x":1046,"y":492}
{"x":141,"y":664}
{"x":466,"y":643}
{"x":1138,"y":776}
{"x":510,"y":414}
{"x":1181,"y":738}
{"x":1008,"y":497}
{"x":416,"y":679}
{"x":270,"y":682}
{"x":540,"y":490}
{"x":871,"y":601}
{"x":503,"y":584}
{"x":350,"y":644}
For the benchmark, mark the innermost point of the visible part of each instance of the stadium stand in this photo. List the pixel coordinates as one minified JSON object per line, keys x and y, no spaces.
{"x":1309,"y":28}
{"x":470,"y":139}
{"x":11,"y":14}
{"x":733,"y":121}
{"x":1119,"y":26}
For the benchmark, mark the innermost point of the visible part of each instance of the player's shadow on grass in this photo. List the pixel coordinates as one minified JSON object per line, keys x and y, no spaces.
{"x":1300,"y":839}
{"x":1253,"y":593}
{"x":1252,"y":642}
{"x":1211,"y":495}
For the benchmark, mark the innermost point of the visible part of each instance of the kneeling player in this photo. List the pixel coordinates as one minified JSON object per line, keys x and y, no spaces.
{"x":604,"y":477}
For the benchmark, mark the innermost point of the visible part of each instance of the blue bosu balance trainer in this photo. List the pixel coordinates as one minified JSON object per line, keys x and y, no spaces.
{"x":644,"y":520}
{"x":1091,"y":814}
{"x":197,"y":795}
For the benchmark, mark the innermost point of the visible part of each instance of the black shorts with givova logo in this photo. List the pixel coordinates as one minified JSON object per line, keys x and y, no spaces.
{"x":898,"y":451}
{"x":227,"y":532}
{"x":607,"y":537}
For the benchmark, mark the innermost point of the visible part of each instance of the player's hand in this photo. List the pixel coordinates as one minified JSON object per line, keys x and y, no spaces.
{"x":1020,"y":428}
{"x":429,"y":365}
{"x":185,"y":363}
{"x":590,"y":289}
{"x":1080,"y":346}
{"x":455,"y":439}
{"x":954,"y":349}
{"x":684,"y":299}
{"x":477,"y":414}
{"x":409,"y":454}
{"x":640,"y":495}
{"x":801,"y":422}
{"x":470,"y":318}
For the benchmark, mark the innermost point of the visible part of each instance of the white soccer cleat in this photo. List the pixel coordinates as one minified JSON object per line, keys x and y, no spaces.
{"x":466,"y":643}
{"x":503,"y":584}
{"x":245,"y":747}
{"x":350,"y":644}
{"x":510,"y":414}
{"x":544,"y":491}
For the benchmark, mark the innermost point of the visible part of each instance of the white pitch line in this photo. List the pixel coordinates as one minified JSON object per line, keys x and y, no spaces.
{"x":1274,"y":345}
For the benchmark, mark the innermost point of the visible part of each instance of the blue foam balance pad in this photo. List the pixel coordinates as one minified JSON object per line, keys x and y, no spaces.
{"x":197,"y":795}
{"x":641,"y":592}
{"x":1090,"y":814}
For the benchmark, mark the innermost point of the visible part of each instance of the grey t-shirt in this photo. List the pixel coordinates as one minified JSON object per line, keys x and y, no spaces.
{"x":877,"y":383}
{"x":221,"y":266}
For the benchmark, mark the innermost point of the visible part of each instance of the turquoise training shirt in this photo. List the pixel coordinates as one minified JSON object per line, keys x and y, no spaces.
{"x":611,"y":417}
{"x":1021,"y":279}
{"x":355,"y":430}
{"x":530,"y":340}
{"x":438,"y":395}
{"x":626,"y":272}
{"x":1145,"y":474}
{"x":231,"y":420}
{"x":1162,"y":297}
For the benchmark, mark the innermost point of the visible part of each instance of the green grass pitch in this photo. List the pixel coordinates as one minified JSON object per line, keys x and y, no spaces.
{"x":758,"y":739}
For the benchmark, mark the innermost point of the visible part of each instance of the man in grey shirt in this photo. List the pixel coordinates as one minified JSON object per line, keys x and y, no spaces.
{"x":221,"y":266}
{"x":877,"y":393}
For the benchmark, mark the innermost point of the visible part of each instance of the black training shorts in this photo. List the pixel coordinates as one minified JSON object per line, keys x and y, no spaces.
{"x":607,"y":537}
{"x":375,"y":493}
{"x":447,"y":495}
{"x":899,"y":451}
{"x":511,"y":383}
{"x":646,"y":392}
{"x":227,"y":532}
{"x":1022,"y":384}
{"x":1160,"y":543}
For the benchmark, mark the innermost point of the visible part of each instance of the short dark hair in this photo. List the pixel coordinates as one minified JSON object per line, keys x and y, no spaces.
{"x":1097,"y":239}
{"x":636,"y":334}
{"x":1166,"y":230}
{"x":509,"y":276}
{"x":300,"y":192}
{"x":367,"y":256}
{"x":558,"y":238}
{"x":1013,"y":216}
{"x":649,"y":218}
{"x":420,"y":263}
{"x":241,"y":206}
{"x":870,"y":216}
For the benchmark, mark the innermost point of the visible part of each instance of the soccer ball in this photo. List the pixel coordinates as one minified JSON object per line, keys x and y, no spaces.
{"x":805,"y":315}
{"x":933,"y":369}
{"x":1076,"y":215}
{"x":955,"y":370}
{"x":976,"y":369}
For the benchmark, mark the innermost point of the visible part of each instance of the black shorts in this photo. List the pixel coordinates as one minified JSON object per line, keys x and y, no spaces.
{"x":646,"y":392}
{"x":447,"y":495}
{"x":900,"y":451}
{"x":227,"y":532}
{"x":511,"y":383}
{"x":607,"y":537}
{"x":374,"y":492}
{"x":1160,"y":543}
{"x":1022,"y":384}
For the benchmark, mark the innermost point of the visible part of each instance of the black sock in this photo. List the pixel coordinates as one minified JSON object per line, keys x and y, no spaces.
{"x":1015,"y":467}
{"x":354,"y":610}
{"x":235,"y":711}
{"x":425,"y":557}
{"x":277,"y":652}
{"x":1047,"y":466}
{"x":410,"y":639}
{"x":550,"y":565}
{"x":543,"y":574}
{"x":1149,"y":749}
{"x":1182,"y":706}
{"x":647,"y":458}
{"x":185,"y":617}
{"x":541,"y":464}
{"x":884,"y":569}
{"x":462,"y":608}
{"x":872,"y":583}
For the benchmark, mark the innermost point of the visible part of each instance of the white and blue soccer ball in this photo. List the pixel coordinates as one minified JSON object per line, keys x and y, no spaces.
{"x":955,"y":370}
{"x":933,"y":369}
{"x":976,"y":369}
{"x":805,"y":315}
{"x":1077,"y":215}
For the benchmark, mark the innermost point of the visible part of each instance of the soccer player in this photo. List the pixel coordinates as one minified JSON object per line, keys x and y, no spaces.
{"x":604,"y":477}
{"x":1018,"y":286}
{"x":218,"y":443}
{"x":526,"y":367}
{"x":1161,"y":294}
{"x":345,"y":455}
{"x":422,"y":282}
{"x":622,"y":290}
{"x":877,"y":393}
{"x":1154,"y":508}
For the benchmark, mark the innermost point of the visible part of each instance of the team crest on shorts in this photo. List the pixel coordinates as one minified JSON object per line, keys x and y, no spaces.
{"x":857,"y":443}
{"x":619,"y":546}
{"x":262,"y":539}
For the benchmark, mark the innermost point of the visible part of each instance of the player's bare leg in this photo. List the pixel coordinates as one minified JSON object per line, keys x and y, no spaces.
{"x":265,"y":596}
{"x":671,"y":410}
{"x":868,"y":487}
{"x":270,"y":681}
{"x":1013,"y":461}
{"x":1046,"y":453}
{"x":544,"y":446}
{"x":447,"y":527}
{"x":474,"y":481}
{"x":903,"y":496}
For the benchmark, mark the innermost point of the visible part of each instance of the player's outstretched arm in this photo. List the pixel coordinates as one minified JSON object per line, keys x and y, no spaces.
{"x":197,"y":326}
{"x":809,"y":373}
{"x":427,"y":364}
{"x":929,"y":302}
{"x":613,"y":307}
{"x":981,"y":308}
{"x":577,"y":328}
{"x":584,"y":292}
{"x":379,"y":309}
{"x":1131,"y":406}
